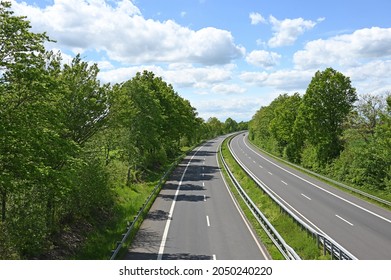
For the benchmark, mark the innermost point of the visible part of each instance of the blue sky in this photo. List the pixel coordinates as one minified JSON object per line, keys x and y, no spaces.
{"x":228,"y":58}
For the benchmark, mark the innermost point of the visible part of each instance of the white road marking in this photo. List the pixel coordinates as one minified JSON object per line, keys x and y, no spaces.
{"x":204,"y":197}
{"x":203,"y":184}
{"x":306,"y":196}
{"x":214,"y":257}
{"x":261,"y":166}
{"x":286,"y":184}
{"x":344,"y":220}
{"x":207,"y":221}
{"x":270,"y":173}
{"x":265,"y":255}
{"x":167,"y":227}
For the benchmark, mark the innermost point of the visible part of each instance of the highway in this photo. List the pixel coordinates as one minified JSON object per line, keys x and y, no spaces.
{"x":195,"y":216}
{"x":359,"y":226}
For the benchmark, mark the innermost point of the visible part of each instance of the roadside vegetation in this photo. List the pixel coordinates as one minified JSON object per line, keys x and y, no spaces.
{"x":332,"y":131}
{"x":303,"y":243}
{"x":78,"y":158}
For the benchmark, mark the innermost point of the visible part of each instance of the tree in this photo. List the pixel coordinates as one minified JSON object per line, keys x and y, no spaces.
{"x":366,"y":159}
{"x":84,"y":100}
{"x":22,"y":57}
{"x":230,"y":125}
{"x":326,"y":104}
{"x":18,"y":45}
{"x":284,"y":116}
{"x":215,"y":127}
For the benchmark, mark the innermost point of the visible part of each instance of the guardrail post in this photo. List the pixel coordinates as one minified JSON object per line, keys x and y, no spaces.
{"x":332,"y":250}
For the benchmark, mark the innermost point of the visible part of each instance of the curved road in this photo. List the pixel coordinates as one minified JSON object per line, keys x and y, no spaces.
{"x":360,"y":227}
{"x":195,"y":216}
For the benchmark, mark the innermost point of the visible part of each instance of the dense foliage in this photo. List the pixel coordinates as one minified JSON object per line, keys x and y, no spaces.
{"x":331,"y":130}
{"x":67,"y":141}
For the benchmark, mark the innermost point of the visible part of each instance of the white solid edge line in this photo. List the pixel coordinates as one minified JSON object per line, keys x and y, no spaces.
{"x":346,"y":221}
{"x":320,"y":188}
{"x":241,"y":214}
{"x":167,"y":227}
{"x":286,"y":203}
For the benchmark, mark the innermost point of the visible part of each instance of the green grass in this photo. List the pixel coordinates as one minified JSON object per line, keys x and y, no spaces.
{"x":304,"y":245}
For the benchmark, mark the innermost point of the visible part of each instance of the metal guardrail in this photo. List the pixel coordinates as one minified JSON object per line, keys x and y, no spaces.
{"x":386,"y":202}
{"x":329,"y":245}
{"x":273,"y":234}
{"x":141,"y":211}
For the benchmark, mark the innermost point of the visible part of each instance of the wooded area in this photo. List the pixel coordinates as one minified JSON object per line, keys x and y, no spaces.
{"x":68,"y":141}
{"x":332,"y":131}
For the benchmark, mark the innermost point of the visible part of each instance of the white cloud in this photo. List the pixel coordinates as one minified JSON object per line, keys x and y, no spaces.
{"x":286,"y":80}
{"x":180,"y":75}
{"x":228,"y":89}
{"x":287,"y":31}
{"x":236,"y":108}
{"x":126,"y":36}
{"x":122,"y":74}
{"x":372,"y":77}
{"x":257,"y":18}
{"x":346,"y":50}
{"x":263,"y":58}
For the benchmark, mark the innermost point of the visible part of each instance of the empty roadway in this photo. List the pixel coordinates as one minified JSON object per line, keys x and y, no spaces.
{"x":360,"y":227}
{"x":195,"y":216}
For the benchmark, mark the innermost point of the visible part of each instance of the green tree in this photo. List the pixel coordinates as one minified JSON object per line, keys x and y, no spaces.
{"x":84,"y":100}
{"x":326,"y":104}
{"x":365,"y":161}
{"x":215,"y":127}
{"x":284,"y":117}
{"x":230,"y":125}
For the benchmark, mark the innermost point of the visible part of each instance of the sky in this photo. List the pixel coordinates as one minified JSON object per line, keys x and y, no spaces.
{"x":227,"y":57}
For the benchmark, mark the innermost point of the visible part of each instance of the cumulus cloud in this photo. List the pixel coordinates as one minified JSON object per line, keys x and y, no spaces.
{"x":228,"y":89}
{"x":372,"y":77}
{"x":126,"y":36}
{"x":257,"y":18}
{"x":180,"y":75}
{"x":263,"y":58}
{"x":235,"y":108}
{"x":286,"y":80}
{"x":287,"y":31}
{"x":345,"y":50}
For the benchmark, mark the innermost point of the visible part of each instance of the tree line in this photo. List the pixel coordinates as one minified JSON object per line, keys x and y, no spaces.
{"x":331,"y":130}
{"x":67,"y":140}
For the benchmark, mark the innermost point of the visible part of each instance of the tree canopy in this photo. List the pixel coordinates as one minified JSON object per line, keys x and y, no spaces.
{"x":68,"y":141}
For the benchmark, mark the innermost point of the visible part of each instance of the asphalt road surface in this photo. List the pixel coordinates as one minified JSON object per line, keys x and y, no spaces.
{"x":195,"y":216}
{"x":360,"y":227}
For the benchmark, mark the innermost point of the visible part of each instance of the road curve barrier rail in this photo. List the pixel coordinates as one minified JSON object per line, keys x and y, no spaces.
{"x":329,"y":245}
{"x":273,"y":234}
